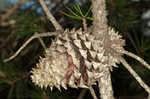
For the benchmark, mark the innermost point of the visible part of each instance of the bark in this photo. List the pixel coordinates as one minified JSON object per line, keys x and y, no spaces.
{"x":100,"y":31}
{"x":105,"y":86}
{"x":99,"y":14}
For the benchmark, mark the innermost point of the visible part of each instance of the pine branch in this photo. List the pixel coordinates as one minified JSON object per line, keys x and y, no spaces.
{"x":137,"y":58}
{"x":105,"y":85}
{"x":100,"y":31}
{"x":42,"y":42}
{"x":28,"y":41}
{"x":135,"y":75}
{"x":84,"y":23}
{"x":100,"y":20}
{"x":50,"y":16}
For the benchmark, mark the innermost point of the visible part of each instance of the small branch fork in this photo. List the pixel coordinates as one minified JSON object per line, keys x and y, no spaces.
{"x":42,"y":42}
{"x":135,"y":75}
{"x":137,"y":58}
{"x":50,"y":17}
{"x":27,"y":42}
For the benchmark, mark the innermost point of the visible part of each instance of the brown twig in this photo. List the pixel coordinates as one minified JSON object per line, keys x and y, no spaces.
{"x":50,"y":16}
{"x":135,"y":75}
{"x":84,"y":23}
{"x":100,"y":31}
{"x":28,"y":41}
{"x":42,"y":42}
{"x":137,"y":58}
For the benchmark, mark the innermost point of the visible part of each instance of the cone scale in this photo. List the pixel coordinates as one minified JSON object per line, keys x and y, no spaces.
{"x":74,"y":59}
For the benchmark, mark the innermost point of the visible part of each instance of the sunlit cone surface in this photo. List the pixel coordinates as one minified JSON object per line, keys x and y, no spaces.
{"x":76,"y":59}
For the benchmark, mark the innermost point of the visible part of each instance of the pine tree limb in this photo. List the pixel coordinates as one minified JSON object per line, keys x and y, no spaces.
{"x":50,"y":16}
{"x":135,"y":75}
{"x":137,"y":58}
{"x":27,"y":42}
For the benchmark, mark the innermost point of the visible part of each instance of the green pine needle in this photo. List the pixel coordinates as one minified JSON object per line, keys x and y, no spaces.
{"x":74,"y":17}
{"x":87,"y":13}
{"x":90,"y":18}
{"x":71,"y":11}
{"x":78,"y":9}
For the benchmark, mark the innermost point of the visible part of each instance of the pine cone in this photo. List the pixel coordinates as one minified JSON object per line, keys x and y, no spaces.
{"x":76,"y":59}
